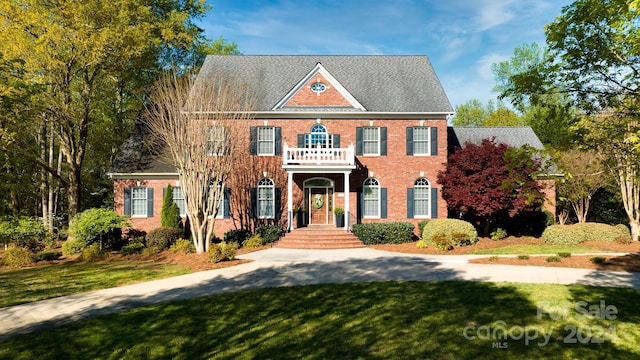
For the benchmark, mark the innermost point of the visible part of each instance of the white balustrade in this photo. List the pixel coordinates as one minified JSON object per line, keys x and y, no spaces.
{"x":318,"y":156}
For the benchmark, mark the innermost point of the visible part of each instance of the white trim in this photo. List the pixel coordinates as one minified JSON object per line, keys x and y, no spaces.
{"x":319,"y":69}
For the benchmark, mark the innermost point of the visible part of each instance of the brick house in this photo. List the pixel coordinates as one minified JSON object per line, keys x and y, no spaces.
{"x":364,"y":133}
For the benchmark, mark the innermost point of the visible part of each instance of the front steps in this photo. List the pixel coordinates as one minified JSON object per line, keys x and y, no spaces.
{"x":319,"y":237}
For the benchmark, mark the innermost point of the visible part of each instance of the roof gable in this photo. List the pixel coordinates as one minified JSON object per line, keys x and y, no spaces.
{"x":330,"y":94}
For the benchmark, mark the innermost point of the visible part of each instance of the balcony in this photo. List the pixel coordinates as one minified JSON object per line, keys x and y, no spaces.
{"x":318,"y":156}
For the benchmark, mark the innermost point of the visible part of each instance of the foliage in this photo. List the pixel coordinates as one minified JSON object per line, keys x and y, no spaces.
{"x":170,"y":213}
{"x":24,"y":232}
{"x":583,"y":177}
{"x":523,"y":257}
{"x":253,"y":242}
{"x":17,"y":257}
{"x":488,"y":180}
{"x":384,"y":233}
{"x":338,"y":211}
{"x":578,"y":233}
{"x":93,"y":253}
{"x":222,"y":251}
{"x":474,"y":113}
{"x":599,"y":260}
{"x":553,"y":258}
{"x":422,"y":244}
{"x":270,"y":233}
{"x":162,"y":238}
{"x":49,"y":255}
{"x":72,"y":247}
{"x":132,"y":248}
{"x":607,"y":207}
{"x":237,"y":235}
{"x":446,"y":233}
{"x":498,"y":234}
{"x":183,"y":246}
{"x":421,"y":225}
{"x":102,"y":226}
{"x":564,"y":254}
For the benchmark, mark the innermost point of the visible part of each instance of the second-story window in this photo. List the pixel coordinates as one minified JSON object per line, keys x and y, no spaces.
{"x":422,"y":140}
{"x":371,"y":140}
{"x":266,"y":140}
{"x":139,"y":201}
{"x":218,"y":140}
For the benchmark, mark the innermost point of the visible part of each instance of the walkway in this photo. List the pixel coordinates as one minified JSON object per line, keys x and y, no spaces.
{"x":288,"y":267}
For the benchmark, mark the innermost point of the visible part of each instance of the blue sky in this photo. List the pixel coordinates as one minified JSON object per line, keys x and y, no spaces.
{"x":462,"y":38}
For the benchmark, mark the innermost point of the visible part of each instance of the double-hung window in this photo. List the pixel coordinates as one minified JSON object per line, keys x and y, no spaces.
{"x":266,"y":140}
{"x":139,"y":201}
{"x":421,"y":140}
{"x":178,"y":198}
{"x":421,"y":198}
{"x":371,"y":198}
{"x":266,"y":199}
{"x":371,"y":141}
{"x":218,"y":140}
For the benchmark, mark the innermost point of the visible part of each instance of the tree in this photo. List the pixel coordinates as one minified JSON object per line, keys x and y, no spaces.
{"x":584,"y":175}
{"x":489,"y":180}
{"x":93,"y":59}
{"x":474,"y":113}
{"x":197,"y":123}
{"x":170,"y":213}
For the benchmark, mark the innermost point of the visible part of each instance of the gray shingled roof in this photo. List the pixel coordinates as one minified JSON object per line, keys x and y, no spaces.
{"x":139,"y":156}
{"x":380,"y":83}
{"x":515,"y":136}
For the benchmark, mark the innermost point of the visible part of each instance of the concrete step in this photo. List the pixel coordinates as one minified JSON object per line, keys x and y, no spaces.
{"x":319,"y":239}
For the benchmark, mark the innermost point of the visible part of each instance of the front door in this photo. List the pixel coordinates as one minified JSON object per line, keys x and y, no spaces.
{"x":319,"y":206}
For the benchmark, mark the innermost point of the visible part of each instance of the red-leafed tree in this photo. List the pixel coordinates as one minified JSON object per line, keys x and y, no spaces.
{"x":489,"y":180}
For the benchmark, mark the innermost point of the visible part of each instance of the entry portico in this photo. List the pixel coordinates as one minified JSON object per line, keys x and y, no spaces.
{"x":318,"y":191}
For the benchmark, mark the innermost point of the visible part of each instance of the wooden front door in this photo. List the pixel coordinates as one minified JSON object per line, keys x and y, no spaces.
{"x":319,"y":206}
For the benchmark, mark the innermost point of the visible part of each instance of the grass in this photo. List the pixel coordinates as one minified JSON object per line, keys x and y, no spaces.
{"x":45,"y":282}
{"x":537,"y":249}
{"x":387,"y":320}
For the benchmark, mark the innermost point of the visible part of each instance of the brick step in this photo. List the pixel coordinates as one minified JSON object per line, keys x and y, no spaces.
{"x":319,"y":239}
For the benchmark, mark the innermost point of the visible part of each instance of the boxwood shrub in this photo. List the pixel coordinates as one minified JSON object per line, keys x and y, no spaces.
{"x":577,"y":233}
{"x":457,"y":232}
{"x":270,"y":233}
{"x":237,"y":235}
{"x":384,"y":233}
{"x":162,"y":238}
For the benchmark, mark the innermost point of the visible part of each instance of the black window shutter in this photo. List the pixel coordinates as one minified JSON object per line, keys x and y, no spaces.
{"x":276,"y":208}
{"x":359,"y":204}
{"x":278,"y":140}
{"x":383,"y":141}
{"x":434,"y":141}
{"x":336,"y":140}
{"x":383,"y":203}
{"x":358,"y":141}
{"x":253,"y":206}
{"x":410,"y":140}
{"x":409,"y":203}
{"x":225,"y":203}
{"x":301,"y":143}
{"x":434,"y":203}
{"x":127,"y":201}
{"x":149,"y":202}
{"x":253,"y":140}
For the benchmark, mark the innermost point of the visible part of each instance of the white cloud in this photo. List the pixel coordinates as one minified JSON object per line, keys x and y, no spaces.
{"x":484,"y":65}
{"x":493,"y":13}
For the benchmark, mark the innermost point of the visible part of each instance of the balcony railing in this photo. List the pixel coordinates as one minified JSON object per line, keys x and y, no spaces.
{"x":318,"y":156}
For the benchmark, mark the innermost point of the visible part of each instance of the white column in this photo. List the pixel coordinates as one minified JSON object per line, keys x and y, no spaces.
{"x":347,"y":213}
{"x":289,"y":200}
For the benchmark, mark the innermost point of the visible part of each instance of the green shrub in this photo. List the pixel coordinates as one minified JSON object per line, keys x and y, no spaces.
{"x":554,"y":258}
{"x":183,"y":246}
{"x":384,"y":233}
{"x":222,"y":251}
{"x":523,"y":257}
{"x":102,"y":226}
{"x":72,"y":247}
{"x":270,"y":233}
{"x":493,"y":258}
{"x":237,"y":235}
{"x":170,"y":212}
{"x":93,"y":253}
{"x":152,"y":250}
{"x":449,"y":227}
{"x":422,"y":244}
{"x":17,"y":257}
{"x":498,"y":234}
{"x":132,"y":248}
{"x":578,"y":233}
{"x":25,"y":232}
{"x":253,"y":242}
{"x":564,"y":254}
{"x":441,"y":241}
{"x":599,"y":260}
{"x":421,"y":225}
{"x":162,"y":238}
{"x":48,"y":255}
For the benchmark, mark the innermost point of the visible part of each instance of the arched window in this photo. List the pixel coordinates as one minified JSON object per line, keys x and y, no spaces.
{"x":421,"y":198}
{"x":371,"y":198}
{"x":266,"y":199}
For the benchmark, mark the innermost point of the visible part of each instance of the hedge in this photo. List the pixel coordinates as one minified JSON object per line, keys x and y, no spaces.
{"x":456,"y":232}
{"x":384,"y":233}
{"x":578,"y":233}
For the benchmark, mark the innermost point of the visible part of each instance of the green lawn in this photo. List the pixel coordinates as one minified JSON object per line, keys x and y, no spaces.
{"x":537,"y":249}
{"x":44,"y":282}
{"x":388,"y":320}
